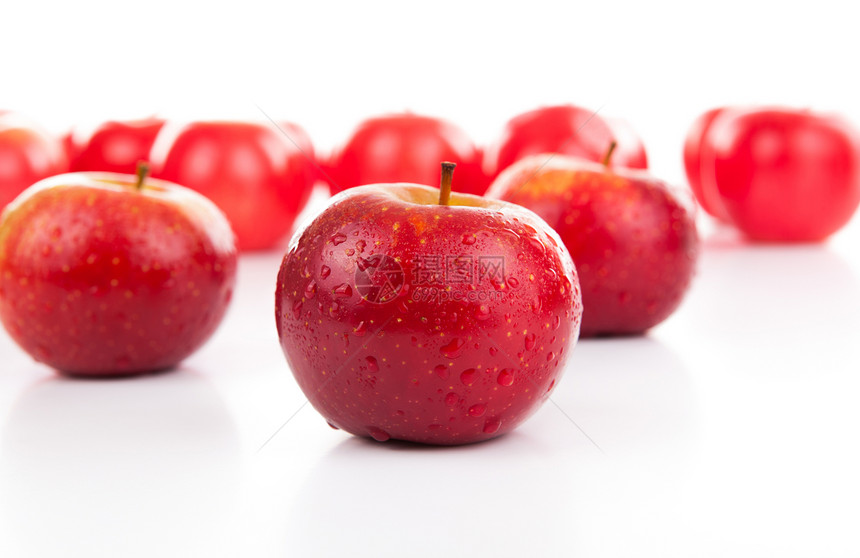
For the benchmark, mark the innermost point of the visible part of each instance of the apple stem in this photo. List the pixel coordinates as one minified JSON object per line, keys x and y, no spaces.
{"x":142,"y":172}
{"x":608,"y":156}
{"x":445,"y":186}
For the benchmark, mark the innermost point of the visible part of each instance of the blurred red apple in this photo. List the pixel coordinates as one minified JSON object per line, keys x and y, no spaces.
{"x":115,"y":146}
{"x":27,"y":154}
{"x":405,"y":148}
{"x":255,"y":173}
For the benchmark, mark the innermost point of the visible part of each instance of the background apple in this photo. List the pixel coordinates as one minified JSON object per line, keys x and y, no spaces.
{"x":442,"y":324}
{"x":565,"y":129}
{"x":27,"y":154}
{"x":783,"y":174}
{"x":257,"y":174}
{"x":633,"y":243}
{"x":698,"y":146}
{"x":114,"y":146}
{"x":101,"y":275}
{"x":405,"y":148}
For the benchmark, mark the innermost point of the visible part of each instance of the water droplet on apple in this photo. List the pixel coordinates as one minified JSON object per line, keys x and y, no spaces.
{"x":530,"y":341}
{"x":513,"y":282}
{"x":482,"y":312}
{"x":328,"y":422}
{"x":442,"y":371}
{"x":339,"y":238}
{"x":536,"y":305}
{"x":342,"y":290}
{"x":311,"y":289}
{"x":492,"y":425}
{"x":297,"y":309}
{"x":468,"y":376}
{"x":372,"y":365}
{"x":469,"y":239}
{"x":325,"y":271}
{"x":378,"y":434}
{"x":332,"y":310}
{"x":493,"y":351}
{"x":551,"y":385}
{"x":506,"y":377}
{"x":453,"y":349}
{"x":451,"y":399}
{"x":477,"y":410}
{"x":556,"y":322}
{"x":360,"y":245}
{"x":360,"y":330}
{"x":550,"y":356}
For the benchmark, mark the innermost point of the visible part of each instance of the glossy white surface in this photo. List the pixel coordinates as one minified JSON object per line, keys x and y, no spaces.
{"x":729,"y":430}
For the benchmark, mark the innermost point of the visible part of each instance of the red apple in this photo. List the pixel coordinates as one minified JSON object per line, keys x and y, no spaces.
{"x":255,"y":173}
{"x":115,"y":146}
{"x":568,"y":130}
{"x":27,"y":154}
{"x":698,"y":148}
{"x":633,"y":243}
{"x":105,"y":275}
{"x":441,"y":323}
{"x":784,"y":174}
{"x":405,"y":148}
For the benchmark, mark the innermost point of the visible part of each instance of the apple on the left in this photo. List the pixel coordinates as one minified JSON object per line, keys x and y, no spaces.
{"x":27,"y":154}
{"x":105,"y":274}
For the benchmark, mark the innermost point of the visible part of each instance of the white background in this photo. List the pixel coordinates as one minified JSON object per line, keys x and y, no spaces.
{"x":730,"y":430}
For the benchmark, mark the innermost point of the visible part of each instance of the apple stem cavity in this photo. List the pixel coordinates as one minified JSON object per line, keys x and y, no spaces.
{"x":142,"y":173}
{"x":608,"y":157}
{"x":445,"y":186}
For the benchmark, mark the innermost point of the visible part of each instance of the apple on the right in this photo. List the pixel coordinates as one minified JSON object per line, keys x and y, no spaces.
{"x":634,"y":244}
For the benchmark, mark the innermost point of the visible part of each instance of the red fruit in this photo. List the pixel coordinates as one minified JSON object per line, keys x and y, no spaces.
{"x":441,"y":324}
{"x":115,"y":146}
{"x":405,"y":148}
{"x":698,"y":147}
{"x":27,"y":154}
{"x":255,"y":173}
{"x":99,"y":277}
{"x":567,"y":130}
{"x":633,"y":244}
{"x":785,"y":175}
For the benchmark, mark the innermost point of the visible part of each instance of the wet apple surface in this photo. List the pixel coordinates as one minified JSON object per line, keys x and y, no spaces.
{"x":441,"y":324}
{"x":98,"y":278}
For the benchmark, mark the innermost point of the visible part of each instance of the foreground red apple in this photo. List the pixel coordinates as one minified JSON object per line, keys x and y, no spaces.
{"x":442,"y":323}
{"x":405,"y":148}
{"x":261,"y":177}
{"x":634,"y":245}
{"x":105,"y":275}
{"x":568,"y":130}
{"x":782,"y":174}
{"x":27,"y":154}
{"x":114,"y":146}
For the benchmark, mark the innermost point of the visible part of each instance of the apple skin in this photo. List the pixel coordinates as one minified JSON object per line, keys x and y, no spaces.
{"x":784,"y":174}
{"x":256,"y":174}
{"x":100,"y":279}
{"x":698,"y":148}
{"x":567,"y":130}
{"x":405,"y":148}
{"x":634,"y":244}
{"x":27,"y":155}
{"x":462,"y":369}
{"x":115,"y":146}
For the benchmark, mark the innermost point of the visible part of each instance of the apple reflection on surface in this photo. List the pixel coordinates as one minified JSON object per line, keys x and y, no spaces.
{"x":135,"y":467}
